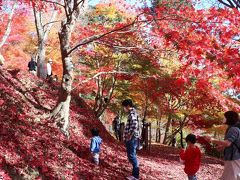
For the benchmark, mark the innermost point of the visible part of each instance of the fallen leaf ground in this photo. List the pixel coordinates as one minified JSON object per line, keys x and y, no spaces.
{"x":32,"y":147}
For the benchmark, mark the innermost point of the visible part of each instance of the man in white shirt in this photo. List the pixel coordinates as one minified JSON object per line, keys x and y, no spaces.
{"x":49,"y":68}
{"x":2,"y":60}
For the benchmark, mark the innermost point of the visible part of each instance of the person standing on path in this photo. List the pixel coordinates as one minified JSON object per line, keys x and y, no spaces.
{"x":231,"y":146}
{"x":131,"y":135}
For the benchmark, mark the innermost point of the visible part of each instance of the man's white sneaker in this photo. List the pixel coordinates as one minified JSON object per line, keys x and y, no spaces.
{"x":131,"y":178}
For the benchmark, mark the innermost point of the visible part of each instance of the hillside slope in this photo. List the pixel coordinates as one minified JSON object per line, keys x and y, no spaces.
{"x":33,"y":148}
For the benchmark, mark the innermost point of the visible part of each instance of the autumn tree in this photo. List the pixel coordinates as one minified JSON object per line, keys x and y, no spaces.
{"x":200,"y":38}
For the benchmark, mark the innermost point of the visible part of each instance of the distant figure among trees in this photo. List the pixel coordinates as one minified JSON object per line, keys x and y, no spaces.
{"x":231,"y":146}
{"x":32,"y":66}
{"x":49,"y":68}
{"x":116,"y":127}
{"x":2,"y":60}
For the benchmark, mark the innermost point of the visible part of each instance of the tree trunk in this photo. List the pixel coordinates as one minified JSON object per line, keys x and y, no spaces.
{"x":105,"y":104}
{"x":9,"y":23}
{"x":181,"y":136}
{"x":158,"y":133}
{"x":178,"y":130}
{"x":166,"y":135}
{"x":61,"y":111}
{"x":41,"y":71}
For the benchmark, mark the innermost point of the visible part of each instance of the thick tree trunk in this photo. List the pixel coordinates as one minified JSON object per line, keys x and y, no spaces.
{"x":61,"y":111}
{"x":41,"y":71}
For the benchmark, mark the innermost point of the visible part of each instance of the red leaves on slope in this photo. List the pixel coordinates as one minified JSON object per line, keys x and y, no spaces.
{"x":37,"y":150}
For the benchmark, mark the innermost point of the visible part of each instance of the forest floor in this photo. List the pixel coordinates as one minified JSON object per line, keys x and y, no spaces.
{"x":32,"y":147}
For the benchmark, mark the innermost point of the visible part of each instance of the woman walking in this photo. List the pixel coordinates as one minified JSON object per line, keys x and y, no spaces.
{"x":231,"y":146}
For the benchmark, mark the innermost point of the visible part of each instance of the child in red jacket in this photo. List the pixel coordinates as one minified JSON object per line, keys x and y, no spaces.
{"x":191,"y":157}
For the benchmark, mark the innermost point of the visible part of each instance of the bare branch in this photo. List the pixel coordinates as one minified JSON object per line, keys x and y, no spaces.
{"x":96,"y":37}
{"x":50,"y":23}
{"x":231,"y":3}
{"x":53,"y":2}
{"x":115,"y":73}
{"x":103,"y":73}
{"x":125,"y":47}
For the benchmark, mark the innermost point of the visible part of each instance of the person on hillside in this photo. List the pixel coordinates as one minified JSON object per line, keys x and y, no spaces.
{"x":131,"y":135}
{"x":191,"y":157}
{"x":32,"y":66}
{"x":116,"y":127}
{"x":49,"y":68}
{"x":2,"y":60}
{"x":95,"y":145}
{"x":231,"y":146}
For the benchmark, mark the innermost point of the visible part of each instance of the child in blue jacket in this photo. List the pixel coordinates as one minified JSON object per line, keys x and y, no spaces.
{"x":96,"y":142}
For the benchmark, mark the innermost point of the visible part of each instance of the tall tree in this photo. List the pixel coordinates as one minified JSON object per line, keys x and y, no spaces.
{"x":9,"y":23}
{"x":43,"y":31}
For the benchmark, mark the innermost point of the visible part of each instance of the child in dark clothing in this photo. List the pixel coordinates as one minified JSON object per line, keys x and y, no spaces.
{"x":96,"y":142}
{"x":191,"y":157}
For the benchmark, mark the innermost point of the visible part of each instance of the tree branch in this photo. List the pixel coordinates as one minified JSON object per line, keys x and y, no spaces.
{"x":53,"y":2}
{"x":96,"y":37}
{"x":50,"y":23}
{"x":230,"y":5}
{"x":103,"y":73}
{"x":124,"y":47}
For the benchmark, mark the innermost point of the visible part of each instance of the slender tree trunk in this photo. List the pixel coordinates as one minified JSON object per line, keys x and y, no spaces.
{"x":8,"y":28}
{"x":158,"y":132}
{"x":166,"y":135}
{"x":178,"y":130}
{"x":181,"y":138}
{"x":104,"y":104}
